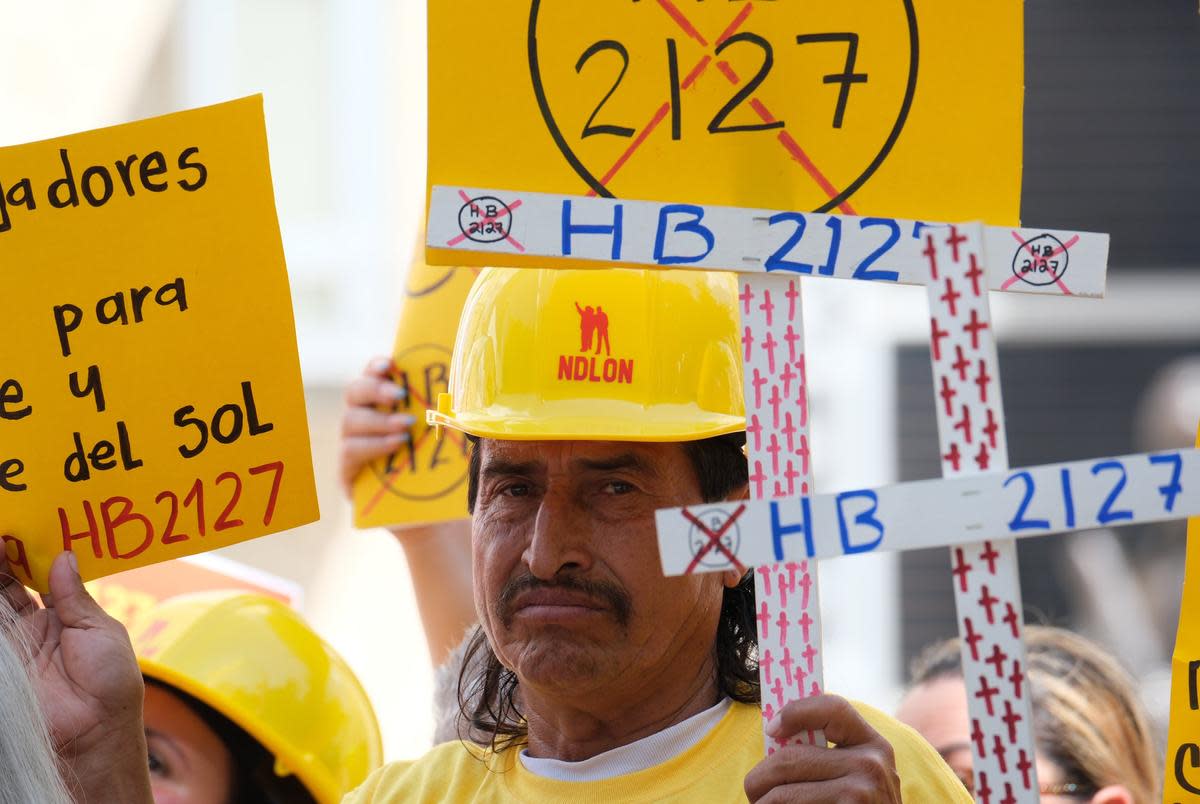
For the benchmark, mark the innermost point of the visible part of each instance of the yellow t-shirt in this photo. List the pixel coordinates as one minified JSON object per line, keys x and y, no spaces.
{"x":713,"y":770}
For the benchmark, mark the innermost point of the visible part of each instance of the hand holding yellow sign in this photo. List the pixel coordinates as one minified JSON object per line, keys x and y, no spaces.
{"x":150,"y":398}
{"x":425,"y":480}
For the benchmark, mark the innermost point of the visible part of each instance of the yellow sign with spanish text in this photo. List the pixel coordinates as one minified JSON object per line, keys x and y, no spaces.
{"x":150,"y":397}
{"x":909,"y":108}
{"x":425,"y":481}
{"x":1182,"y":777}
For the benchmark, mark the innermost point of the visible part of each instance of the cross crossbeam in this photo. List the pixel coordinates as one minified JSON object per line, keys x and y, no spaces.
{"x":1033,"y":501}
{"x":698,"y":236}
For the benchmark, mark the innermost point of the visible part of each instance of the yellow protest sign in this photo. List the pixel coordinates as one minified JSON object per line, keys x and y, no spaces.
{"x":150,"y":396}
{"x":426,"y":480}
{"x":884,"y":107}
{"x":1182,"y":777}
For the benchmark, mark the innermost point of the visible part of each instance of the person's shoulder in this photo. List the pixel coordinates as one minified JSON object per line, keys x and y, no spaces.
{"x":924,"y":775}
{"x":445,"y":773}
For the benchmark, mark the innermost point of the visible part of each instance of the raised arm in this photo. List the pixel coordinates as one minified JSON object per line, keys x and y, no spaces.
{"x":439,"y":555}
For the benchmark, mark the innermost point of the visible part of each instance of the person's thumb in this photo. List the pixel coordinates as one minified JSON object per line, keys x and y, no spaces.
{"x":70,"y":600}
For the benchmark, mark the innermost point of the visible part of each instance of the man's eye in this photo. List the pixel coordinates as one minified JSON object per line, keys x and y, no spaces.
{"x":618,"y":487}
{"x":156,"y":765}
{"x":516,"y":490}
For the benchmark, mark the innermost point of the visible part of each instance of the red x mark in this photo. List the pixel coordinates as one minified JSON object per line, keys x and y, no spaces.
{"x":1066,"y":247}
{"x":785,"y":139}
{"x":714,"y":540}
{"x":509,"y":208}
{"x":385,"y":481}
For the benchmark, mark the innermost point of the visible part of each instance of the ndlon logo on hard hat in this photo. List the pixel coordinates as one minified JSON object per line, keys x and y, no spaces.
{"x":589,"y":365}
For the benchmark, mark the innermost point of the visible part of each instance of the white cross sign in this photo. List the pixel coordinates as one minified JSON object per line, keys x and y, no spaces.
{"x":977,"y":509}
{"x":1037,"y":501}
{"x":648,"y":233}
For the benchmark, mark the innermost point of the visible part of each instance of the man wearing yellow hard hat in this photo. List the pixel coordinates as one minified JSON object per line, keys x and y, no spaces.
{"x":596,"y":678}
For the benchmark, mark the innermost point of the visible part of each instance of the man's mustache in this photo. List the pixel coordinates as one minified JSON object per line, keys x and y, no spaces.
{"x":614,"y":596}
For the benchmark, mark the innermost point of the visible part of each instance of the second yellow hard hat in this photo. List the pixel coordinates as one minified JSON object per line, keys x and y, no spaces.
{"x":256,"y":662}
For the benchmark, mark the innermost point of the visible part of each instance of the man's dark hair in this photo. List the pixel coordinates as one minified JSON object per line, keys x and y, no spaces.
{"x":487,"y":690}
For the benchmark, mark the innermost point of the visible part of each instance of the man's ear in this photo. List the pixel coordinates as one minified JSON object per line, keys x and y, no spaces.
{"x":1113,"y":794}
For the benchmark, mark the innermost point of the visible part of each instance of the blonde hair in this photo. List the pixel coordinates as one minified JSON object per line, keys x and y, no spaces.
{"x":27,"y":759}
{"x":1088,"y":718}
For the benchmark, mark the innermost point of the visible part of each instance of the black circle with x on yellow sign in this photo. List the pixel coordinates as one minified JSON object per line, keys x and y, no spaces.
{"x":649,"y":96}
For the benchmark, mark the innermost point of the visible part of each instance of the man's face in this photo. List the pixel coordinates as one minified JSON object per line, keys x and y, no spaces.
{"x":568,"y":583}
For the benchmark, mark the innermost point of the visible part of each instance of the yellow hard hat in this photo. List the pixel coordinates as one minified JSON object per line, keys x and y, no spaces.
{"x":255,"y":661}
{"x":596,"y":354}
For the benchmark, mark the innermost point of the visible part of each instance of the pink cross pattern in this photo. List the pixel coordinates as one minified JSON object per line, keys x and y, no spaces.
{"x":765,"y":572}
{"x":768,"y":346}
{"x":775,"y":400}
{"x":954,"y":241}
{"x":758,"y":381}
{"x":746,"y":297}
{"x":755,"y":429}
{"x":767,"y":307}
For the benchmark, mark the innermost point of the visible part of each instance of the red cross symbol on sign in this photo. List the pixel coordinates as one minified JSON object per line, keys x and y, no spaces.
{"x":987,"y":692}
{"x":793,"y":149}
{"x":1011,"y":719}
{"x":961,"y":568}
